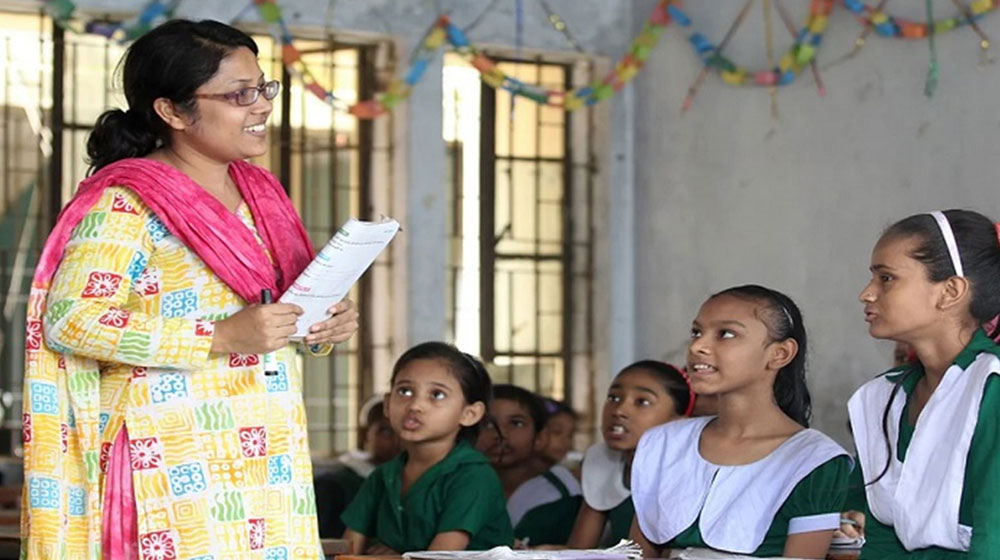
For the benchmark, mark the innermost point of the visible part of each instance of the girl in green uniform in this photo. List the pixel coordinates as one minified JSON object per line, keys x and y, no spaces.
{"x":927,"y":433}
{"x":645,"y":394}
{"x":753,"y":479}
{"x":542,"y":503}
{"x":439,"y":493}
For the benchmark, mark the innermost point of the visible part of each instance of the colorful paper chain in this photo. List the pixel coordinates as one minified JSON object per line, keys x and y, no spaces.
{"x":153,"y":13}
{"x":801,"y":54}
{"x":886,"y":25}
{"x":290,"y":56}
{"x":798,"y":56}
{"x":444,"y":30}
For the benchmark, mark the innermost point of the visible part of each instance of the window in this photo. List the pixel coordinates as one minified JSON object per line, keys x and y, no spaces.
{"x":521,"y":283}
{"x":325,"y":157}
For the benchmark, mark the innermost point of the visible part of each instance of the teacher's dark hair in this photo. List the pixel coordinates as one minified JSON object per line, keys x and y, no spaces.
{"x":172,"y":61}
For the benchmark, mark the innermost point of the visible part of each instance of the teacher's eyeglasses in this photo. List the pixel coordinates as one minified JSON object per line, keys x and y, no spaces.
{"x":246,"y":96}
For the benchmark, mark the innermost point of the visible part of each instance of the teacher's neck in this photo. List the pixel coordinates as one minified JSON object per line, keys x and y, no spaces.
{"x":211,"y":174}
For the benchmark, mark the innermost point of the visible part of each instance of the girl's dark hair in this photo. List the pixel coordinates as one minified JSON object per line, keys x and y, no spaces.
{"x":783,"y":321}
{"x":979,"y":251}
{"x":672,"y":379}
{"x":471,"y":375}
{"x":978,"y":248}
{"x":554,"y":407}
{"x":530,"y":401}
{"x":171,"y":61}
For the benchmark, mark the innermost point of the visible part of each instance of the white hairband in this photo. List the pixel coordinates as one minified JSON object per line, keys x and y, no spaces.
{"x":949,"y":240}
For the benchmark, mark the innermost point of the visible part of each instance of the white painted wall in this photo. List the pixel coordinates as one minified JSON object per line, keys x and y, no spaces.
{"x":725,"y":195}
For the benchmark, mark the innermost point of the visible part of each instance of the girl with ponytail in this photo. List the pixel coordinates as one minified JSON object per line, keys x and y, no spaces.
{"x":753,"y":479}
{"x":927,"y":433}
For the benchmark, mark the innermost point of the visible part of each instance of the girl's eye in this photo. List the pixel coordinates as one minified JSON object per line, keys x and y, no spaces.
{"x":885,"y":278}
{"x":614,"y":398}
{"x":438,"y":395}
{"x":643,"y":402}
{"x":695,"y":333}
{"x":725,"y":333}
{"x":517,"y":423}
{"x":404,"y":391}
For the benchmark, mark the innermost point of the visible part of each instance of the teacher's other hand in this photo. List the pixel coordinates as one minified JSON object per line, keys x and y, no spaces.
{"x":338,"y":328}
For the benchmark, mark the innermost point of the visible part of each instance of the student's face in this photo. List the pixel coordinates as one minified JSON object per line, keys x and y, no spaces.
{"x":731,"y":349}
{"x":381,"y":441}
{"x":519,"y":440}
{"x":558,"y":437}
{"x":636,"y":402}
{"x":426,"y":403}
{"x":900,"y":302}
{"x":224,"y":131}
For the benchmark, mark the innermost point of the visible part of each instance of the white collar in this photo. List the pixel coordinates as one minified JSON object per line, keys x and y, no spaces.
{"x":603,"y":482}
{"x":920,"y":497}
{"x":734,"y":506}
{"x":539,"y":490}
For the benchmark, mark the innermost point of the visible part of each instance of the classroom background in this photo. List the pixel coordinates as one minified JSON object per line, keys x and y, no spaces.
{"x":573,"y":177}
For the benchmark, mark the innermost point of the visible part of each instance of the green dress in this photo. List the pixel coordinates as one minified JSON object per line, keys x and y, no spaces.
{"x":823,"y":490}
{"x":980,"y":505}
{"x":552,"y":522}
{"x":620,"y":520}
{"x":460,"y":493}
{"x":683,"y":500}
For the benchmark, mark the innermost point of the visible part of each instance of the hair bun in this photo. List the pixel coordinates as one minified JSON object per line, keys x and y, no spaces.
{"x":118,"y":135}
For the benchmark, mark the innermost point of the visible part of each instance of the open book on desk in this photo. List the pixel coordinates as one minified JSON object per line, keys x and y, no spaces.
{"x":624,"y":550}
{"x":337,"y":266}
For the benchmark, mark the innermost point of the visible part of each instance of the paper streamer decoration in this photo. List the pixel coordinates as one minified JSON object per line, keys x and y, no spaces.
{"x":492,"y":75}
{"x":152,"y":14}
{"x":801,"y":54}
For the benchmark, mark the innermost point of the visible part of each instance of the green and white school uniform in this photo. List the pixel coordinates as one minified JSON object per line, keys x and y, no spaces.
{"x":681,"y":500}
{"x":543,"y":509}
{"x":460,"y":493}
{"x":604,"y":490}
{"x":940,"y":497}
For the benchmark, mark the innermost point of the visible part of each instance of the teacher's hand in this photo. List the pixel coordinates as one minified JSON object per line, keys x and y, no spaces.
{"x":337,"y":328}
{"x":257,"y":329}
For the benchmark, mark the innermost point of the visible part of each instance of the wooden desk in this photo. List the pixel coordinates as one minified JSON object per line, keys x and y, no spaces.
{"x":334,"y":547}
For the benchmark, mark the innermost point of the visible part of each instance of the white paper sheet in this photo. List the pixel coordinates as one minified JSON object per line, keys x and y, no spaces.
{"x":341,"y":262}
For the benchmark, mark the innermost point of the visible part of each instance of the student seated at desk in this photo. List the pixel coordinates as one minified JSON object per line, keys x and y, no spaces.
{"x":558,"y":434}
{"x":439,"y":493}
{"x":644,"y":394}
{"x":753,"y":479}
{"x":928,"y":432}
{"x":336,"y":489}
{"x":542,"y":503}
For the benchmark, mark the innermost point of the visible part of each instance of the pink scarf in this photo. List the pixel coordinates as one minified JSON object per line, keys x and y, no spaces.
{"x":202,"y":223}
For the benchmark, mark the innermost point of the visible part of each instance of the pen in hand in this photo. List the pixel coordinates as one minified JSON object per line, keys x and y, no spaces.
{"x":270,"y":359}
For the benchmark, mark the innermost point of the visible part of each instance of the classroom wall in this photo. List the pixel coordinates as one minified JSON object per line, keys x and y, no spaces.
{"x":727,"y":195}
